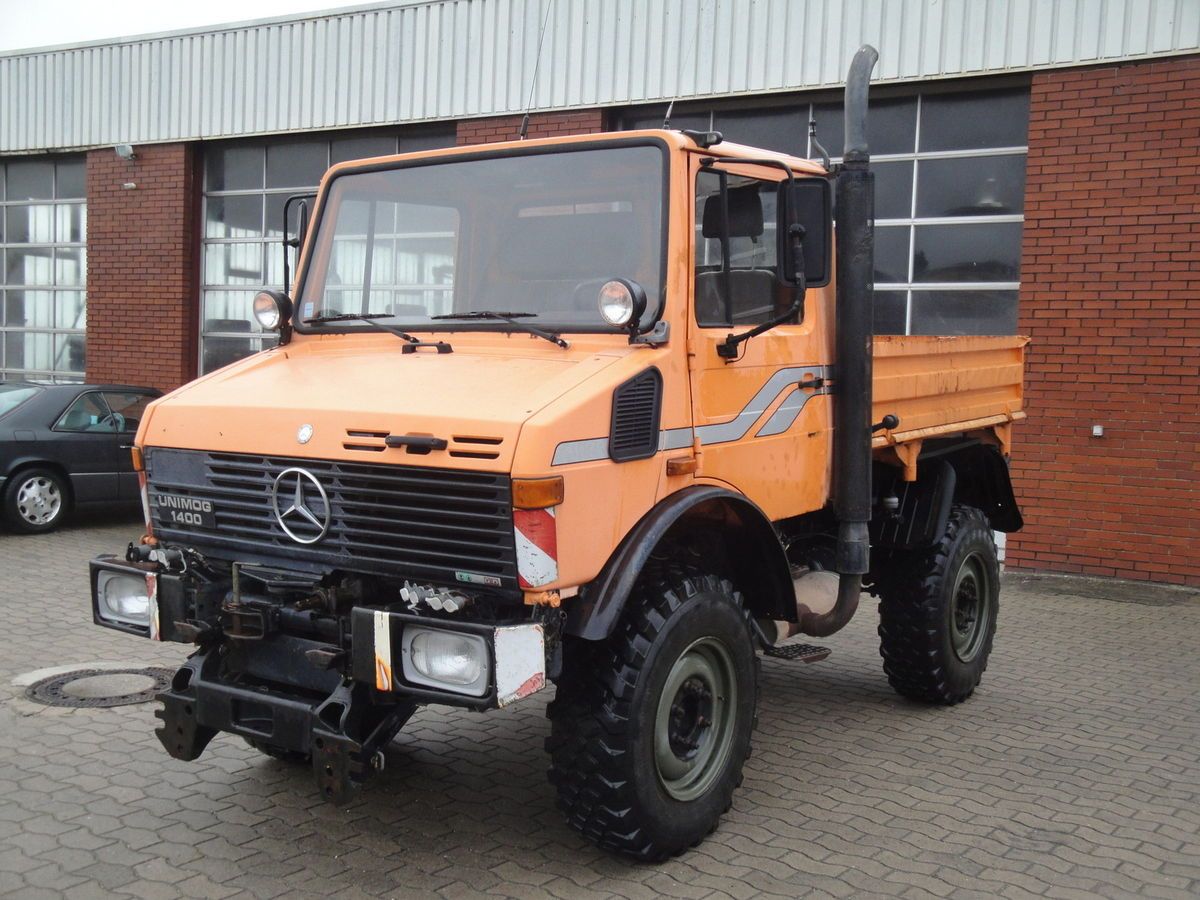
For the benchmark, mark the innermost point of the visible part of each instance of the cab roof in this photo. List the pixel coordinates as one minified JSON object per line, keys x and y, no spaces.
{"x":675,"y":140}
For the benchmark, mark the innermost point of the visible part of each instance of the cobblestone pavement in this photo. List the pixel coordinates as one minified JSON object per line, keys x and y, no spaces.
{"x":1073,"y":771}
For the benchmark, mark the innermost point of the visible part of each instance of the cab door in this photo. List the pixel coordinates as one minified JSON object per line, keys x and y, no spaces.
{"x":763,"y":417}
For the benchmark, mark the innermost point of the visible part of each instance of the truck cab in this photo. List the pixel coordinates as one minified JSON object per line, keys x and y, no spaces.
{"x":589,"y":412}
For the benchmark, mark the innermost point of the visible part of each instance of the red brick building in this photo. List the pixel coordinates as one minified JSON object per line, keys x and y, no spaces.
{"x":1054,"y":195}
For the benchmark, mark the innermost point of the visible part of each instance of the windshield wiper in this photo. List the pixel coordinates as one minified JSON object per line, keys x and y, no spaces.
{"x":370,"y":318}
{"x":512,"y":319}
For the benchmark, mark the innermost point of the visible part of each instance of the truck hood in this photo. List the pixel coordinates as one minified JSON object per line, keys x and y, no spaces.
{"x":354,"y":392}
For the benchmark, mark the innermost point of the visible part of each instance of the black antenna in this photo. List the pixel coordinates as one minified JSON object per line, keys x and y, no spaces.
{"x":537,"y":62}
{"x":816,"y":145}
{"x":691,"y":52}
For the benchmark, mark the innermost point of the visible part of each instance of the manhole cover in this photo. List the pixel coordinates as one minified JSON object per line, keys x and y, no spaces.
{"x":100,"y":687}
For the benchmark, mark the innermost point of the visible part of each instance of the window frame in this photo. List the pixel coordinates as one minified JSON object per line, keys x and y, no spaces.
{"x":729,"y":167}
{"x":79,"y":398}
{"x":59,"y":336}
{"x":450,"y":325}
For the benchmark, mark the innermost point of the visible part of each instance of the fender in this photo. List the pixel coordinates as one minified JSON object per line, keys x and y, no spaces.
{"x":974,"y":475}
{"x":762,"y":569}
{"x":985,"y":483}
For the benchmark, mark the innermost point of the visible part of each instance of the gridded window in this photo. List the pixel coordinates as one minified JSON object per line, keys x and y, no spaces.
{"x":246,"y":187}
{"x":949,"y":197}
{"x":43,"y":269}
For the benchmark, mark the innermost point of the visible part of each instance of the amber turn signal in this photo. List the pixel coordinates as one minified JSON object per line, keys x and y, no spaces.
{"x":139,"y":464}
{"x":682,"y":465}
{"x":537,"y":493}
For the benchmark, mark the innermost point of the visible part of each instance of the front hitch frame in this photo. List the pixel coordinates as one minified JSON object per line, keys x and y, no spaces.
{"x":344,"y":734}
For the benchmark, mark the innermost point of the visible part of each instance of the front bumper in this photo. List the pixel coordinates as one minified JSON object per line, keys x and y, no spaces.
{"x":337,"y":693}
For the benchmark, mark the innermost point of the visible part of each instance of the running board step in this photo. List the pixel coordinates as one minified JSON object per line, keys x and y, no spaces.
{"x":808,"y":653}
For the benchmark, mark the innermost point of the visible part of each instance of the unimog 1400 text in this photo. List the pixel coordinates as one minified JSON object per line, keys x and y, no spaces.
{"x":600,"y":411}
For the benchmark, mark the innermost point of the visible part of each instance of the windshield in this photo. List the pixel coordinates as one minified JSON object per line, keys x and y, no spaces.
{"x":13,"y":395}
{"x":535,"y":234}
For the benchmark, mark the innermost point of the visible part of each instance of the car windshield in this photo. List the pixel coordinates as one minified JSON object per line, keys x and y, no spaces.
{"x":13,"y":395}
{"x":532,"y":234}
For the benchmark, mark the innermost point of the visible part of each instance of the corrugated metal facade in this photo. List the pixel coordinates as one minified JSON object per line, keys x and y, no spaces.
{"x":416,"y":61}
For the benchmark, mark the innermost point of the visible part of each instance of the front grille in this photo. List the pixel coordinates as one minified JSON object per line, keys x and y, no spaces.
{"x":430,"y":524}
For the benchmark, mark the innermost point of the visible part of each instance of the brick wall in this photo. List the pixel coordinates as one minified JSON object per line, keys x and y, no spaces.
{"x":1110,"y":294}
{"x":506,"y":128}
{"x":141,"y":243}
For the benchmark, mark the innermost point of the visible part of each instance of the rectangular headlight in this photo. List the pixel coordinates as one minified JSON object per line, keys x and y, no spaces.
{"x":449,"y":660}
{"x":125,"y":598}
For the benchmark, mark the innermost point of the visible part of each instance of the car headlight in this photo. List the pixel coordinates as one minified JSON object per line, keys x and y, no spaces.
{"x":622,"y":303}
{"x":449,"y":660}
{"x":124,"y":598}
{"x":272,"y":309}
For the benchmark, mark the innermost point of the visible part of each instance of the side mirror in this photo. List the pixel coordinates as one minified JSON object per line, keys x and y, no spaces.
{"x":297,"y":242}
{"x":807,"y":202}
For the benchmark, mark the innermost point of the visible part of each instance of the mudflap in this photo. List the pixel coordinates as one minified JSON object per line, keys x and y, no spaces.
{"x":344,"y":734}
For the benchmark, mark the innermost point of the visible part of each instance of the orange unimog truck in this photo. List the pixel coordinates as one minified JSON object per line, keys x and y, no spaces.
{"x":596,"y":411}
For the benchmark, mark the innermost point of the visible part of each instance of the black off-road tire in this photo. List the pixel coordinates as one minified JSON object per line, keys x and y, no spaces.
{"x":279,"y":753}
{"x":607,"y":742}
{"x":934,"y":648}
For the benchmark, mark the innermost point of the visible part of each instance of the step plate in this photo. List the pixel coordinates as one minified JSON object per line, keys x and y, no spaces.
{"x":809,"y":653}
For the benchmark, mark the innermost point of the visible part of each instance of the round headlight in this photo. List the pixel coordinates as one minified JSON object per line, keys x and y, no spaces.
{"x":271,"y":309}
{"x":616,"y":303}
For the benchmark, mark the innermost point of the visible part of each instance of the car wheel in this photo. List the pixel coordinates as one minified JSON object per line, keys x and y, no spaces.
{"x":650,"y":728}
{"x":36,"y":501}
{"x":938,"y":613}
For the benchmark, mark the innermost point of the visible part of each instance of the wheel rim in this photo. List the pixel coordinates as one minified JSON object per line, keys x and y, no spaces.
{"x":693,"y":730}
{"x":39,"y":500}
{"x":970,"y":608}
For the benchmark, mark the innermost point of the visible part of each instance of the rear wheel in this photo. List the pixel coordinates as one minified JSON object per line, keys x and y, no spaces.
{"x":649,"y":729}
{"x":35,"y":500}
{"x":938,"y":612}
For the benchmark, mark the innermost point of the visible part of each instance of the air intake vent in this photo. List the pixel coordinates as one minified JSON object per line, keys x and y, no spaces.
{"x":475,"y":447}
{"x":366,"y":440}
{"x":636,"y":407}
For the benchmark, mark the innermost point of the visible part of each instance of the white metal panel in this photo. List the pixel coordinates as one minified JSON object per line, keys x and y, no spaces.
{"x":418,"y":60}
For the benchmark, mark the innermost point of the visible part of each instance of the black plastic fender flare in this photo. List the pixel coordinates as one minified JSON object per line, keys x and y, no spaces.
{"x":764,"y":575}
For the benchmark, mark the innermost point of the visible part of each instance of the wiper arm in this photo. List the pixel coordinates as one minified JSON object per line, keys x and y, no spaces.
{"x":370,"y":318}
{"x":512,"y":319}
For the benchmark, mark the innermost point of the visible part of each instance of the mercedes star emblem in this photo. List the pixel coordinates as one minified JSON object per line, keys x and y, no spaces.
{"x":299,"y":487}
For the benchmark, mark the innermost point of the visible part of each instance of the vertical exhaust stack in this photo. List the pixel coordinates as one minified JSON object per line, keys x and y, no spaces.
{"x":852,"y":382}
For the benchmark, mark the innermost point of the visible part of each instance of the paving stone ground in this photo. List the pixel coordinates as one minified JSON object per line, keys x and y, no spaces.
{"x":1073,"y":772}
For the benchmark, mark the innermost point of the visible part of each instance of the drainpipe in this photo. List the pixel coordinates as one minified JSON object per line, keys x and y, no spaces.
{"x":852,"y":383}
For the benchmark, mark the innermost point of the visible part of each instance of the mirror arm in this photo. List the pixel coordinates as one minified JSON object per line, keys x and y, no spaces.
{"x":729,"y":348}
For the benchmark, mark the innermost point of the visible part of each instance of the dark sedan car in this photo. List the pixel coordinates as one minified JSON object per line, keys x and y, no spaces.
{"x":66,"y":446}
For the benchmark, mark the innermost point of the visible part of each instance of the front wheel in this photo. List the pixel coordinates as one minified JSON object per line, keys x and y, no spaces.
{"x":35,"y":501}
{"x":649,"y":729}
{"x":937,"y":612}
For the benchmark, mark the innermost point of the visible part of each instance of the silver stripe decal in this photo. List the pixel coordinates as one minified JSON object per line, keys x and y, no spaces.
{"x":787,"y":413}
{"x":674,"y":438}
{"x":580,"y":451}
{"x":737,"y":427}
{"x":592,"y":449}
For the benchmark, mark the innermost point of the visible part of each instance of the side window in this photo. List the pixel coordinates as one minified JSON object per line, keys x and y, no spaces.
{"x":736,"y":250}
{"x":127,"y":408}
{"x":88,"y":413}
